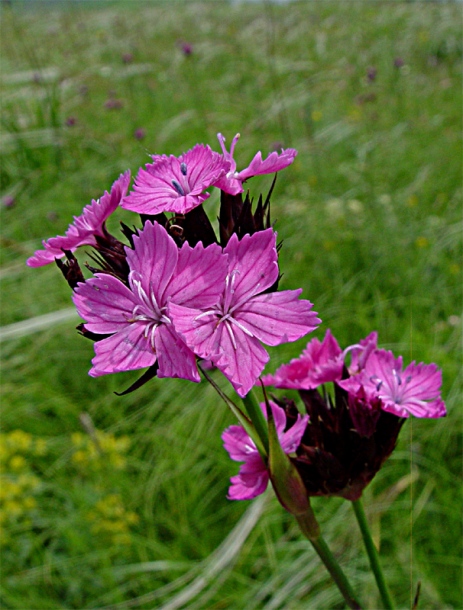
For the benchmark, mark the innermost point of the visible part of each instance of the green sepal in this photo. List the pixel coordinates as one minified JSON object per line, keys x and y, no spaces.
{"x":286,"y":480}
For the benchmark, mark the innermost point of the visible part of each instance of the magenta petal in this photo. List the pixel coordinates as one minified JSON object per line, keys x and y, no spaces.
{"x":200,"y":332}
{"x":174,"y":357}
{"x":273,"y":163}
{"x":153,"y":260}
{"x":199,"y":276}
{"x":252,"y":263}
{"x":84,"y":228}
{"x":105,"y":304}
{"x":245,"y":486}
{"x":242,"y":364}
{"x":278,"y":317}
{"x":253,"y":476}
{"x":126,"y":350}
{"x":232,"y":185}
{"x":238,"y":443}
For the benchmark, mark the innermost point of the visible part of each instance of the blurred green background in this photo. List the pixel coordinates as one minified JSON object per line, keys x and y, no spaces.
{"x":133,"y":512}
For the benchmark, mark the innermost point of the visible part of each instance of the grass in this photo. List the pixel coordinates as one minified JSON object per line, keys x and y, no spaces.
{"x":370,"y":215}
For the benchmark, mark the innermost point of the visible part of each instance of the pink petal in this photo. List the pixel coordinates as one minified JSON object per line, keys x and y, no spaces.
{"x":174,"y":357}
{"x":273,"y":163}
{"x":199,"y":276}
{"x":153,"y":260}
{"x":252,"y":263}
{"x":84,"y":228}
{"x":126,"y":350}
{"x":238,"y":443}
{"x":241,"y":365}
{"x":278,"y":317}
{"x":247,"y":486}
{"x":105,"y":304}
{"x":201,"y":334}
{"x":426,"y":380}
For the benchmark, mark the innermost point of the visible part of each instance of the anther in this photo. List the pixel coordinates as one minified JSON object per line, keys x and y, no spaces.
{"x":178,"y":188}
{"x":183,"y":168}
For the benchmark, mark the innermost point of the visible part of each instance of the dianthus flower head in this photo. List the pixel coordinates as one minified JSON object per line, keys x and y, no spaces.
{"x":230,"y":333}
{"x":253,"y":476}
{"x":353,"y":431}
{"x":86,"y":228}
{"x":136,"y":316}
{"x":176,"y":184}
{"x":414,"y":390}
{"x":232,"y":181}
{"x":320,"y":362}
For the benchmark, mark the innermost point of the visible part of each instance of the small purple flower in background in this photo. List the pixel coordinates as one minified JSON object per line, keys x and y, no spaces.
{"x":232,"y":182}
{"x":187,"y":48}
{"x":84,"y":228}
{"x":137,"y":317}
{"x":372,"y":73}
{"x":139,"y":134}
{"x":176,"y":184}
{"x":412,"y":391}
{"x":398,"y":62}
{"x":70,"y":121}
{"x":113,"y":104}
{"x":230,"y":333}
{"x":319,"y":363}
{"x":253,"y":476}
{"x":8,"y":201}
{"x":127,"y":58}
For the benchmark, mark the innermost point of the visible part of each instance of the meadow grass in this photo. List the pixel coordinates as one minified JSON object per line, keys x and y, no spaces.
{"x":133,"y":512}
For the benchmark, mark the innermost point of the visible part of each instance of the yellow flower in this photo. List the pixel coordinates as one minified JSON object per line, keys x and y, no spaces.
{"x":421,"y":242}
{"x":17,"y":462}
{"x":19,"y":440}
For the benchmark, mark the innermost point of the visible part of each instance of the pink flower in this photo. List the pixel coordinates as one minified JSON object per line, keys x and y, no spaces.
{"x":232,"y":182}
{"x":84,"y":228}
{"x":172,"y":184}
{"x":253,"y":476}
{"x":412,"y":391}
{"x":229,"y":333}
{"x":319,"y":363}
{"x":137,"y":316}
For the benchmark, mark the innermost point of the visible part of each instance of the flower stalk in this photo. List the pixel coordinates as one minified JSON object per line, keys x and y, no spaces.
{"x":372,"y":554}
{"x":334,"y":569}
{"x":257,"y":417}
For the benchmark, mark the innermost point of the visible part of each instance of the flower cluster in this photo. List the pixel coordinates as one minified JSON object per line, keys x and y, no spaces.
{"x":346,"y":435}
{"x":176,"y":292}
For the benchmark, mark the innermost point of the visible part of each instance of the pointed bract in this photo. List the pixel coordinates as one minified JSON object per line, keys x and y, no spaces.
{"x":85,"y":228}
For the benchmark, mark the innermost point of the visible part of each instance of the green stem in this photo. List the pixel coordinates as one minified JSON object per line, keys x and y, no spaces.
{"x":311,"y":531}
{"x":257,"y":417}
{"x":372,"y":554}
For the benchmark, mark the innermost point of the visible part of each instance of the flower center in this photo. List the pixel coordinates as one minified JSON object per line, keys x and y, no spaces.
{"x":396,"y":387}
{"x":226,"y":308}
{"x":148,"y":312}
